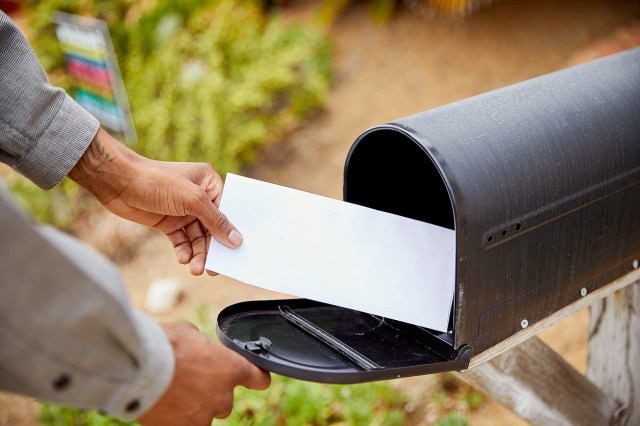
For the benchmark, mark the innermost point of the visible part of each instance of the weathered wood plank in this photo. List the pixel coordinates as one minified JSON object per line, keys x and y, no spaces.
{"x":541,"y":387}
{"x":614,"y":350}
{"x":536,"y":328}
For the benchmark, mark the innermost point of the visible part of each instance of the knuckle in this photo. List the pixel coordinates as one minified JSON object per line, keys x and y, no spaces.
{"x":205,"y":168}
{"x":194,"y":200}
{"x":206,"y":172}
{"x":221,"y":220}
{"x":191,"y":200}
{"x":199,"y":240}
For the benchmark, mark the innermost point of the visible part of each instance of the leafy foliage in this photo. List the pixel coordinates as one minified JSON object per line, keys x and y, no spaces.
{"x":237,"y":85}
{"x":207,"y":80}
{"x":453,"y":419}
{"x":55,"y":415}
{"x":293,"y":402}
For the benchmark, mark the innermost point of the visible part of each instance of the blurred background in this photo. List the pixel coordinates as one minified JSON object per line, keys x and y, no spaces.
{"x":278,"y":91}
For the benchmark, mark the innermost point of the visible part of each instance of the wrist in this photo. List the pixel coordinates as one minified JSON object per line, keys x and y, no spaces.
{"x":105,"y":167}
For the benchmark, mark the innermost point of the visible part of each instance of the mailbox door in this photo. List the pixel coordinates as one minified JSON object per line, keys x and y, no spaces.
{"x":313,"y":341}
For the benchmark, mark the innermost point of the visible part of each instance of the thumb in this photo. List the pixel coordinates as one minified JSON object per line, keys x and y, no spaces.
{"x":247,"y":374}
{"x":255,"y":378}
{"x":217,"y":223}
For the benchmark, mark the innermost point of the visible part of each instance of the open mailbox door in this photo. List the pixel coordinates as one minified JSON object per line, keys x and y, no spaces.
{"x":324,"y":343}
{"x":541,"y":183}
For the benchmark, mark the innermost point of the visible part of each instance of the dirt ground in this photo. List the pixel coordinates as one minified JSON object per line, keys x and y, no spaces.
{"x":383,"y":72}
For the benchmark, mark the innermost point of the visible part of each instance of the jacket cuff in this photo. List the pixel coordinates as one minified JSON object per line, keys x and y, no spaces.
{"x":61,"y":145}
{"x":154,"y":377}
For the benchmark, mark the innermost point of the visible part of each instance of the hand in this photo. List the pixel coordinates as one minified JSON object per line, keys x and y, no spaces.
{"x":179,"y":199}
{"x":204,"y":377}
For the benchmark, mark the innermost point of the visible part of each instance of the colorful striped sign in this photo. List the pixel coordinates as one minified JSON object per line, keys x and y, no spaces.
{"x":92,"y":65}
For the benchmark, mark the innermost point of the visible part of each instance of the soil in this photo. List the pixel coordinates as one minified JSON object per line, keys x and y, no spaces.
{"x":383,"y":72}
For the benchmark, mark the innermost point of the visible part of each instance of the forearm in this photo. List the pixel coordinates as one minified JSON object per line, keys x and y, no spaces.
{"x":67,"y":331}
{"x":106,"y":168}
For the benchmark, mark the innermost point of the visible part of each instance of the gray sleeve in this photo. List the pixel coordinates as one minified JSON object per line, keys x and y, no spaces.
{"x":43,"y":132}
{"x":67,"y":331}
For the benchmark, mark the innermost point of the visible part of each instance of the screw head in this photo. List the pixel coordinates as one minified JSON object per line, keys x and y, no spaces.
{"x":524,"y":323}
{"x":635,"y":264}
{"x":583,"y":291}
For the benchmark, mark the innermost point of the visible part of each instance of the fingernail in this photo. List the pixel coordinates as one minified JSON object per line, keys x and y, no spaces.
{"x":235,"y":237}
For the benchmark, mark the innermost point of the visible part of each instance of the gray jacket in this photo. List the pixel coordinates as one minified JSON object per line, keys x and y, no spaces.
{"x":67,"y":330}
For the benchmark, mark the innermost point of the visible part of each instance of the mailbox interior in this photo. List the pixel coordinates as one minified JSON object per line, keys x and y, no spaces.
{"x":386,"y":170}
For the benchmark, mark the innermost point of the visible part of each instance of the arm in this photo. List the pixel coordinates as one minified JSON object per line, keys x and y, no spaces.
{"x":68,"y":334}
{"x":178,"y":199}
{"x":45,"y":136}
{"x":43,"y":132}
{"x":67,"y":331}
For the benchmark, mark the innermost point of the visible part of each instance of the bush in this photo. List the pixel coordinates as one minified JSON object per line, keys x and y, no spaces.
{"x":293,"y":402}
{"x":207,"y":80}
{"x":225,"y":83}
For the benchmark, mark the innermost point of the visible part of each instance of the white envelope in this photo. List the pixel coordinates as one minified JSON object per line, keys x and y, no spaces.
{"x":335,"y":252}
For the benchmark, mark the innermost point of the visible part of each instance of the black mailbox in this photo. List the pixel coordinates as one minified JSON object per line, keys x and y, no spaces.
{"x":540,"y":181}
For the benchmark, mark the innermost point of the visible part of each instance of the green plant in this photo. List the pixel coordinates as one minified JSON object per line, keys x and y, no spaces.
{"x":207,"y":80}
{"x":453,"y":419}
{"x":286,"y":402}
{"x":241,"y":81}
{"x":55,"y":415}
{"x":474,"y":398}
{"x":294,"y":402}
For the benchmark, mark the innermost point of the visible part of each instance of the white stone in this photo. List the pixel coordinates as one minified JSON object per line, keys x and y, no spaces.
{"x":163,"y":294}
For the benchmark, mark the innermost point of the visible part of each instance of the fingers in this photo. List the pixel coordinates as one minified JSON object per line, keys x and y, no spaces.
{"x":181,"y":245}
{"x":190,"y":241}
{"x":210,"y":273}
{"x":205,"y":375}
{"x":198,"y":241}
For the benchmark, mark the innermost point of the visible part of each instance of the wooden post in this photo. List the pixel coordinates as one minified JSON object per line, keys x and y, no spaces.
{"x":614,"y":350}
{"x":541,"y":387}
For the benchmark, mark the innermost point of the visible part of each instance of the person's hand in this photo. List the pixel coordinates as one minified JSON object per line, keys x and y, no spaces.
{"x":204,"y":377}
{"x":179,"y":199}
